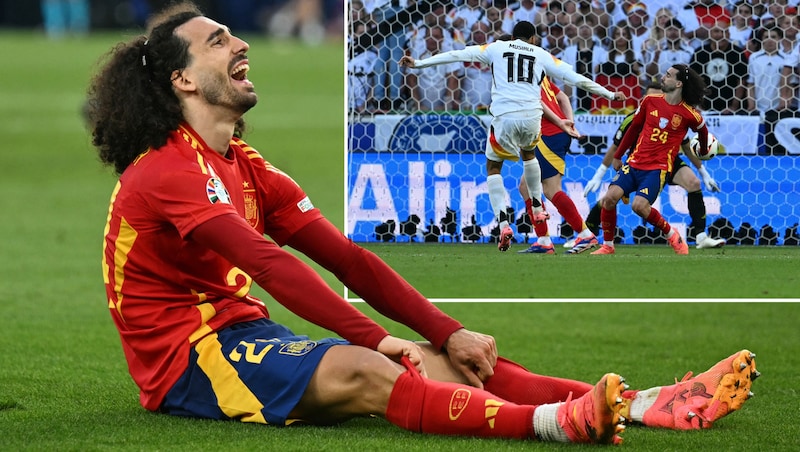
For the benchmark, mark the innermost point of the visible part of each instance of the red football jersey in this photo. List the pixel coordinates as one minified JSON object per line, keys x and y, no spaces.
{"x":549,"y":93}
{"x":165,"y":292}
{"x":663,"y":127}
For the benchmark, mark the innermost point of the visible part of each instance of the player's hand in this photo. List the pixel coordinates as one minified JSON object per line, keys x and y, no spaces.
{"x":472,"y":354}
{"x":407,"y":61}
{"x":568,"y":126}
{"x":596,"y":180}
{"x":616,"y":164}
{"x":396,"y":348}
{"x":709,"y":181}
{"x":620,"y":96}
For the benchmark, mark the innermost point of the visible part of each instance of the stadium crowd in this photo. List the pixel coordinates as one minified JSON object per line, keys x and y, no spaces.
{"x":747,"y":51}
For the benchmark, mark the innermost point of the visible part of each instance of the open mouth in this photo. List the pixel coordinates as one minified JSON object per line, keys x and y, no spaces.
{"x":239,"y":73}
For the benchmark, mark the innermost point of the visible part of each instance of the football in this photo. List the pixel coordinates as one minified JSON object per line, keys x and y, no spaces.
{"x":713,"y":147}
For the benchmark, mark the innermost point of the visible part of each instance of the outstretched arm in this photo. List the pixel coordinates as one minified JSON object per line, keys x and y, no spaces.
{"x":467,"y":54}
{"x":563,"y":71}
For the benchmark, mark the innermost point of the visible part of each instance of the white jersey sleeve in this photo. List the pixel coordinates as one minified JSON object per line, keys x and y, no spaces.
{"x":558,"y":69}
{"x":468,"y":54}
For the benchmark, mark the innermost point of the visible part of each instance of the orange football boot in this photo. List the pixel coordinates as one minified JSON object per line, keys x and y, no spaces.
{"x":695,"y":403}
{"x":595,"y":416}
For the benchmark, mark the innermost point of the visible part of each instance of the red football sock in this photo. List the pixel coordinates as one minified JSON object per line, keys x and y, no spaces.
{"x":516,"y":384}
{"x":658,"y":221}
{"x":428,"y":406}
{"x":541,"y":228}
{"x":608,"y":222}
{"x":529,"y":207}
{"x":568,"y":210}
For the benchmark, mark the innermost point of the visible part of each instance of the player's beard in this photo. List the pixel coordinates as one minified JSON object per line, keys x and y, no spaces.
{"x":218,"y":90}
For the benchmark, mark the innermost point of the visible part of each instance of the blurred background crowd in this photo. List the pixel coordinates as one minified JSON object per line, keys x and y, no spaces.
{"x":746,"y":50}
{"x":310,"y":20}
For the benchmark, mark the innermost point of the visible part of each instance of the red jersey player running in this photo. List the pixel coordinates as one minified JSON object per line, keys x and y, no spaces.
{"x":658,"y":127}
{"x":184,"y":242}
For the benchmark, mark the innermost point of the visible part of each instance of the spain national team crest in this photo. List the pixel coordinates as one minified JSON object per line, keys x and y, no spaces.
{"x":217,"y":192}
{"x":250,"y":209}
{"x":676,"y":121}
{"x":458,"y":402}
{"x":298,"y":348}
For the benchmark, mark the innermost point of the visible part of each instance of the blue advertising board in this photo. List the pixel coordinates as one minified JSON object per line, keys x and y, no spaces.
{"x":423,"y":166}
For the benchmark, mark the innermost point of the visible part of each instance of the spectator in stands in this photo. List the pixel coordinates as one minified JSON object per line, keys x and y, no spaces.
{"x":476,"y":85}
{"x":792,"y":69}
{"x":549,"y":15}
{"x":437,"y":16}
{"x":723,"y":66}
{"x":358,"y":13}
{"x":741,"y":29}
{"x":388,"y":76}
{"x":775,"y":10}
{"x":790,"y":24}
{"x":708,"y":13}
{"x":526,"y":10}
{"x":656,"y":32}
{"x":620,"y":71}
{"x":759,"y":9}
{"x":672,"y":50}
{"x":618,"y":10}
{"x":499,"y":22}
{"x":435,"y":88}
{"x":638,"y":18}
{"x":464,"y":16}
{"x":360,"y":71}
{"x":765,"y":73}
{"x":584,"y":55}
{"x":554,"y":40}
{"x":791,"y":73}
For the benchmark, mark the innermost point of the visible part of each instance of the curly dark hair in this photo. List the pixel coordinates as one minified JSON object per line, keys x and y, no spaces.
{"x":131,"y":105}
{"x":694,"y":87}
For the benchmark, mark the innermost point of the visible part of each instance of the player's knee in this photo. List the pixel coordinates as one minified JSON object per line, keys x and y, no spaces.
{"x":373,"y":372}
{"x":349,"y":381}
{"x":692,"y":184}
{"x":641,"y":209}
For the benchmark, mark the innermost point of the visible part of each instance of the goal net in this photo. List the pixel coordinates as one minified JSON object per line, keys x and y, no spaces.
{"x":415,"y":166}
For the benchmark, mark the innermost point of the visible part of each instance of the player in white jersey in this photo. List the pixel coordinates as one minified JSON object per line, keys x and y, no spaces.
{"x":518,"y":68}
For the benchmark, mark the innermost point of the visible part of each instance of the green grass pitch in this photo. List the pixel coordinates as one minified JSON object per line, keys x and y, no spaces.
{"x":63,"y":380}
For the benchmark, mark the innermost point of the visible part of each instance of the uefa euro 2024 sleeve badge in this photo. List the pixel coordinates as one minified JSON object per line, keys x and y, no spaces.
{"x":217,"y":192}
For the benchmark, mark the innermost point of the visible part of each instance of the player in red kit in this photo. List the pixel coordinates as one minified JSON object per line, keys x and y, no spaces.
{"x":558,"y":129}
{"x":184,"y":242}
{"x":658,"y":128}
